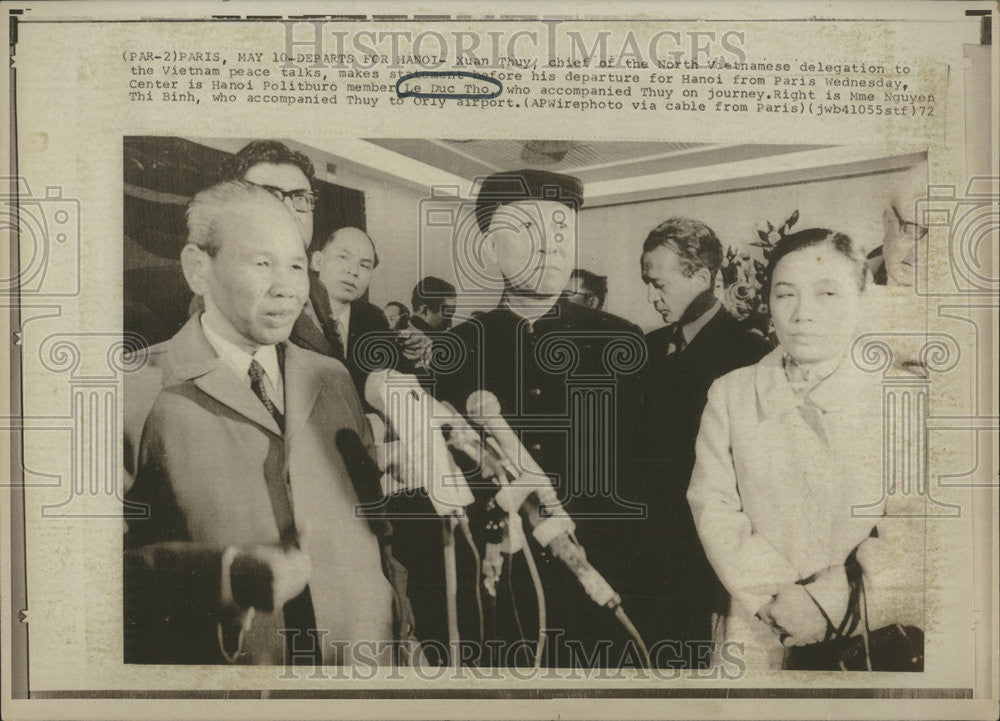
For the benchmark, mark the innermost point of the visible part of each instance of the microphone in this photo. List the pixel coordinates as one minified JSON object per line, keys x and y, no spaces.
{"x":465,"y":442}
{"x":424,"y":458}
{"x":527,"y":476}
{"x":532,"y":494}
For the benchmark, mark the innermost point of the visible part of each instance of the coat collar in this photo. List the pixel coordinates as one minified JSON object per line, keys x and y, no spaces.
{"x":192,"y":359}
{"x":302,"y":387}
{"x":561,"y":314}
{"x":308,"y":328}
{"x":845,"y":389}
{"x":716,"y":323}
{"x":307,"y":333}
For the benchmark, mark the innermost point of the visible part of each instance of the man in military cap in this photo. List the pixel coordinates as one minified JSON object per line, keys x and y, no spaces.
{"x":567,"y":415}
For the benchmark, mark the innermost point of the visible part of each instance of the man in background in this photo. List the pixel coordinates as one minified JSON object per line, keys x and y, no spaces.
{"x":674,"y":591}
{"x":397,"y":314}
{"x":894,"y":263}
{"x":433,"y":303}
{"x":587,"y":289}
{"x":250,"y":550}
{"x":343,"y":264}
{"x":288,"y":175}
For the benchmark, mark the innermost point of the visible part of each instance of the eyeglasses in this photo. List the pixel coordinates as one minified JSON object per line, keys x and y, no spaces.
{"x":302,"y":200}
{"x":918,"y":231}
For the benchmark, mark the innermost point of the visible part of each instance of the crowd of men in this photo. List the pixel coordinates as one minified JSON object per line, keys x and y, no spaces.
{"x":248,"y":445}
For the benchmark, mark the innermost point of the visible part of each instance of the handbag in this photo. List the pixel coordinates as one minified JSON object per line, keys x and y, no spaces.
{"x":891,"y":648}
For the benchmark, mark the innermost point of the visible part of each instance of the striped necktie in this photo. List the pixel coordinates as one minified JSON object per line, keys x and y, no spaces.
{"x":256,"y":373}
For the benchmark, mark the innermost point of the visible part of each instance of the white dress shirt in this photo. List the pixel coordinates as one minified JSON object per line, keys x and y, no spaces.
{"x":239,"y":360}
{"x":344,"y":324}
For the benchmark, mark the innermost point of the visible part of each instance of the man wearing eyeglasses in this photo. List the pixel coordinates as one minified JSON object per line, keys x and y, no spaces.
{"x":290,"y":176}
{"x":286,"y":174}
{"x":230,"y":452}
{"x":894,"y":263}
{"x":894,"y":266}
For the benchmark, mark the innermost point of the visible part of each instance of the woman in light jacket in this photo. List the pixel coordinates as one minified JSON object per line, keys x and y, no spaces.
{"x":789,"y":472}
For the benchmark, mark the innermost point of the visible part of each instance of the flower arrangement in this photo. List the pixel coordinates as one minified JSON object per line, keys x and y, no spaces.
{"x":743,"y":273}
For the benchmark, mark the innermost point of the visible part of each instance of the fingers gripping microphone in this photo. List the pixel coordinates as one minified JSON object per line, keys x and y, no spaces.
{"x":424,"y":460}
{"x":532,"y":494}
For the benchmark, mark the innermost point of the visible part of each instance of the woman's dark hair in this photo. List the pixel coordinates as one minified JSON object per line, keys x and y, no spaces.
{"x":810,"y":237}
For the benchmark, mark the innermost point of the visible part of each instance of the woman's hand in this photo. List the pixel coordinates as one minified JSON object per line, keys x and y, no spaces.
{"x":794,"y":616}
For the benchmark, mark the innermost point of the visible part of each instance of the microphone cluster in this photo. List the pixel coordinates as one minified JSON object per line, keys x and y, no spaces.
{"x":421,"y":422}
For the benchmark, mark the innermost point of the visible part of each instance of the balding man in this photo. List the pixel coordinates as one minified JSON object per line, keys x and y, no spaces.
{"x":343,"y":263}
{"x":895,"y":262}
{"x":233,"y":448}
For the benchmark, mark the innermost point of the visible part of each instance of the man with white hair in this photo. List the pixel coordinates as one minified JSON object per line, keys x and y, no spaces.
{"x":249,"y":549}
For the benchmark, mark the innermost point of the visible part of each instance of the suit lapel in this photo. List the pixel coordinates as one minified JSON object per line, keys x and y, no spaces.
{"x":223,"y":385}
{"x":302,"y":388}
{"x":706,"y":336}
{"x":775,"y":397}
{"x":307,"y":333}
{"x":193,"y":359}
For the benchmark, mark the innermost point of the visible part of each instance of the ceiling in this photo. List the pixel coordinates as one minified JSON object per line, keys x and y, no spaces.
{"x":591,"y":161}
{"x":613,"y":172}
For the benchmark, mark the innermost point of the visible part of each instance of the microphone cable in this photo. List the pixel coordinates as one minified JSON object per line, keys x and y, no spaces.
{"x":451,"y":587}
{"x":509,"y":562}
{"x":536,"y":579}
{"x":626,"y":622}
{"x":463,"y":523}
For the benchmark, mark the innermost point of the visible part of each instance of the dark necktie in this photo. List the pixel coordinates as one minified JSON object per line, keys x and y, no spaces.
{"x":256,"y":373}
{"x":332,"y":331}
{"x":677,"y":340}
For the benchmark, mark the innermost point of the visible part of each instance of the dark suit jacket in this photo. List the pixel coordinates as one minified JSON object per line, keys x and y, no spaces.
{"x":204,"y":457}
{"x":672,"y":586}
{"x":369,"y":344}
